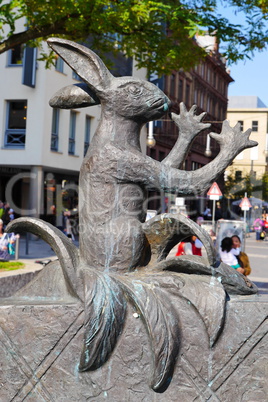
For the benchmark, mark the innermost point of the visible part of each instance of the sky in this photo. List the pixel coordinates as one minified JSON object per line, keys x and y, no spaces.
{"x":251,"y":76}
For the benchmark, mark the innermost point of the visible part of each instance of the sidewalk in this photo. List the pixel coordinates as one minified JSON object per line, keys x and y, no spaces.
{"x":31,"y":251}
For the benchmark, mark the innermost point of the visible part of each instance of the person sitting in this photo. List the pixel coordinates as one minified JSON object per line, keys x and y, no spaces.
{"x":240,"y":255}
{"x":190,"y":246}
{"x":227,"y":256}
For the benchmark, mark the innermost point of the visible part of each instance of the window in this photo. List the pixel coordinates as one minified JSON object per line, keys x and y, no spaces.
{"x":29,"y":66}
{"x":214,"y":79}
{"x":187,"y":95}
{"x":208,"y":75}
{"x":71,"y":149}
{"x":255,"y":126}
{"x":54,"y":145}
{"x":208,"y":104}
{"x":76,"y":76}
{"x":16,"y":124}
{"x":238,"y":175}
{"x":161,"y":156}
{"x":59,"y":65}
{"x":202,"y":100}
{"x":15,"y":56}
{"x":172,"y":85}
{"x":87,"y":134}
{"x":195,"y":165}
{"x":241,"y":125}
{"x":195,"y":97}
{"x":180,"y":94}
{"x":202,"y":73}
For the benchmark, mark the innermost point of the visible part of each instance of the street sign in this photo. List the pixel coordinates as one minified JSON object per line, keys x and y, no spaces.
{"x":245,"y":204}
{"x":214,"y":192}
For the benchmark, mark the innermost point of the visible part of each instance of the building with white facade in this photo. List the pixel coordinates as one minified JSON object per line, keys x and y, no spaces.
{"x":41,"y":149}
{"x":252,"y":113}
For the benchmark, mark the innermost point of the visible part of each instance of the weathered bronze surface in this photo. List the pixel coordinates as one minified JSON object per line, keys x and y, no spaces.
{"x":121,"y":258}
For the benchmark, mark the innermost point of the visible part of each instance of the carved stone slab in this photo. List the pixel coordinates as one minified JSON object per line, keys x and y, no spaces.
{"x":40,"y":347}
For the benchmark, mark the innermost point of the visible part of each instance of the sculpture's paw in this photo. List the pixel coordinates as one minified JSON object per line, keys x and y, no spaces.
{"x":233,"y":139}
{"x":189,"y":123}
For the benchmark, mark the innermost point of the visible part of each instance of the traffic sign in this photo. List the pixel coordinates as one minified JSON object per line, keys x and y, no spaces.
{"x":245,"y":204}
{"x":214,"y":192}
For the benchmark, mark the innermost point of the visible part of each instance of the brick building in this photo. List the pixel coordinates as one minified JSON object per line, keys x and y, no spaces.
{"x":206,"y":86}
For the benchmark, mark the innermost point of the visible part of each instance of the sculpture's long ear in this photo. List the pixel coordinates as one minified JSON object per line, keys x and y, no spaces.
{"x":84,"y":62}
{"x":74,"y":96}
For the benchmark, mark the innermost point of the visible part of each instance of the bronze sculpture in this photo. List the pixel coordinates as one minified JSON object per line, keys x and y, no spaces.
{"x":121,"y":257}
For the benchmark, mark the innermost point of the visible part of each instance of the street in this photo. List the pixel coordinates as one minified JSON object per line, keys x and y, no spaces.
{"x":257,"y":252}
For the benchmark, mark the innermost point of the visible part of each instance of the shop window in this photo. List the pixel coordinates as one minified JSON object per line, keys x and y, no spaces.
{"x":16,"y":124}
{"x":71,"y":149}
{"x":55,"y":130}
{"x":255,"y":125}
{"x":87,"y":134}
{"x":15,"y":56}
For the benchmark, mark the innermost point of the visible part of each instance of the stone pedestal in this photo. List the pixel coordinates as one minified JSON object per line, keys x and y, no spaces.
{"x":40,"y":346}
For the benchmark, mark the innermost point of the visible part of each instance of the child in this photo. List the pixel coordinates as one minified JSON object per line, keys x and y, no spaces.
{"x":227,"y":256}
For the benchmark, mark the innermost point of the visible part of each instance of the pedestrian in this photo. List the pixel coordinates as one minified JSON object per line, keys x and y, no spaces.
{"x":207,"y":214}
{"x":7,"y":242}
{"x":258,"y":225}
{"x":218,"y":212}
{"x":242,"y":257}
{"x":68,"y":225}
{"x":2,"y":209}
{"x":190,"y":246}
{"x":227,"y":256}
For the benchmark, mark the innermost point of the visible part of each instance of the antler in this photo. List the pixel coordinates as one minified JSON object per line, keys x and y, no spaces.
{"x":189,"y":125}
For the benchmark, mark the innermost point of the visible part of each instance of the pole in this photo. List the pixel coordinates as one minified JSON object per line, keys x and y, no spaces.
{"x":17,"y":245}
{"x":213,"y":215}
{"x":27,"y":244}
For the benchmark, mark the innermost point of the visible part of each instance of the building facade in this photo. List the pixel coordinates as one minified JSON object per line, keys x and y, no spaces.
{"x":42,"y":148}
{"x":252,"y":114}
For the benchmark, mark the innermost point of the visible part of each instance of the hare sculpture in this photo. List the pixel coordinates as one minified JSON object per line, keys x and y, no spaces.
{"x":121,"y":257}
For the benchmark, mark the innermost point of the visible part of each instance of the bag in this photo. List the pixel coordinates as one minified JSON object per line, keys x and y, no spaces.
{"x":11,"y":249}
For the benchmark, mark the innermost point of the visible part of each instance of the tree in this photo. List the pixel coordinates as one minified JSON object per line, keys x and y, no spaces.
{"x":235,"y":187}
{"x":159,"y":34}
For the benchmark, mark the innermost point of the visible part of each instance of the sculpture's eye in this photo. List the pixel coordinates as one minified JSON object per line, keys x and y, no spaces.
{"x":135,"y":90}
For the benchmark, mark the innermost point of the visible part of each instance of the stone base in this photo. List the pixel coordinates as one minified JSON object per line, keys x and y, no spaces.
{"x":10,"y":284}
{"x":40,"y":346}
